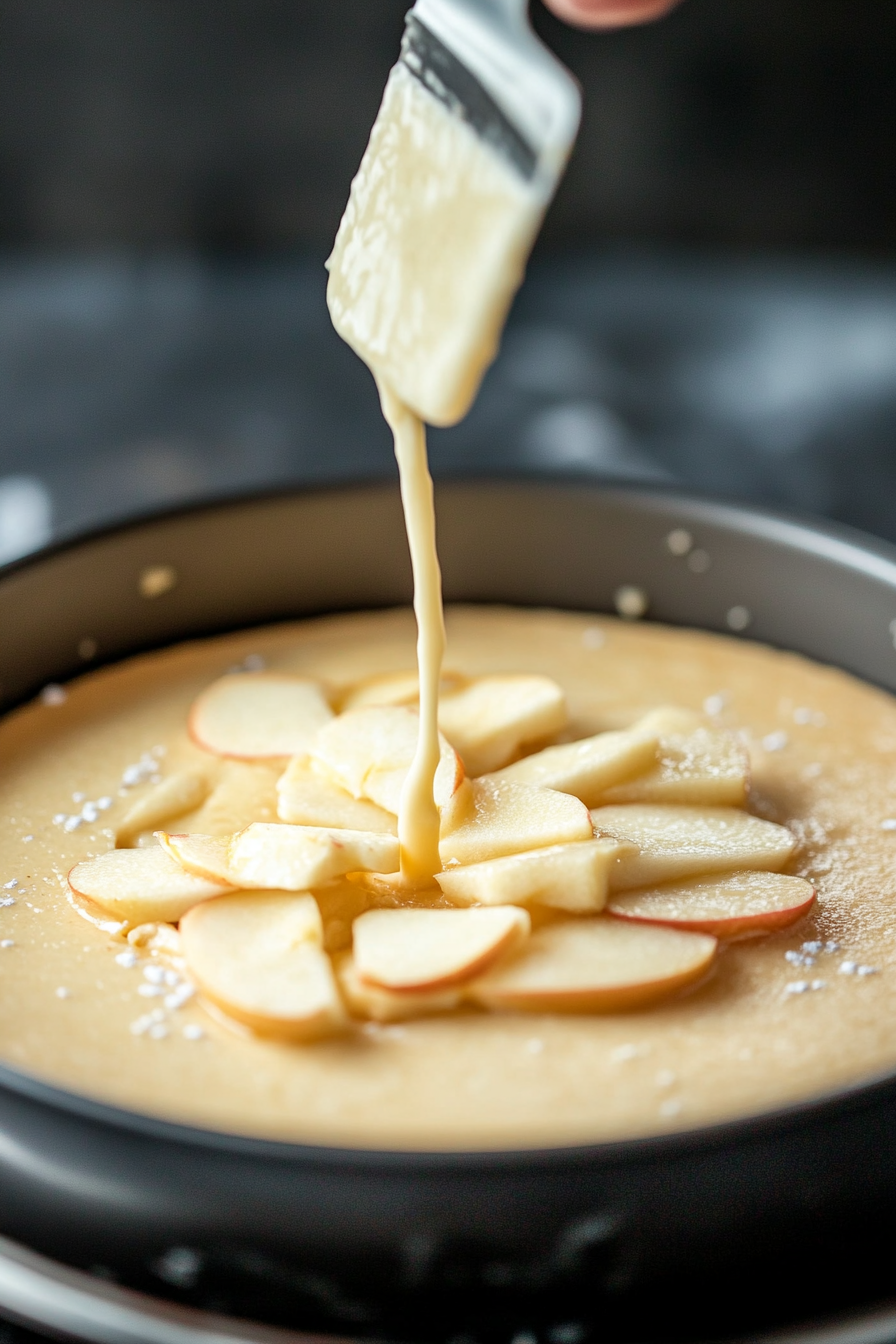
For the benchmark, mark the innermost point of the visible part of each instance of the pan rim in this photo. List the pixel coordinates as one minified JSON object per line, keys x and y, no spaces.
{"x":837,"y":542}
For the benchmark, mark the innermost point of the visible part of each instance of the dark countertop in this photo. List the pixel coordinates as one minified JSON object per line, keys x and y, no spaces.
{"x":127,"y":384}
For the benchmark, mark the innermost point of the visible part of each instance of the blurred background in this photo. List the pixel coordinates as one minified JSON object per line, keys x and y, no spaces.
{"x":712,"y":302}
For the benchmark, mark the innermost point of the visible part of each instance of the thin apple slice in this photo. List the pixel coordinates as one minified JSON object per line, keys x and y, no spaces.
{"x":594,"y":965}
{"x":675,"y":842}
{"x":202,"y":855}
{"x":394,"y":688}
{"x":586,"y":768}
{"x":430,"y":950}
{"x":567,"y":877}
{"x":137,"y":885}
{"x":180,"y":792}
{"x":704,"y":767}
{"x":253,"y":715}
{"x":369,"y":752}
{"x":505,"y":818}
{"x":258,"y":957}
{"x":666,"y":719}
{"x":489,"y":720}
{"x":732,"y":906}
{"x":245,"y":792}
{"x":295,"y":858}
{"x":383,"y":1005}
{"x":306,"y":797}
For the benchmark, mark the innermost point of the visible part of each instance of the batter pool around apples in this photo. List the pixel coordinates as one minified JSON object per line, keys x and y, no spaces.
{"x":754,"y":1024}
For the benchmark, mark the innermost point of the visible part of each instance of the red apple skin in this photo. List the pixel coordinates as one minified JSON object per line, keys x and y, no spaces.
{"x":743,"y":926}
{"x":615,"y":999}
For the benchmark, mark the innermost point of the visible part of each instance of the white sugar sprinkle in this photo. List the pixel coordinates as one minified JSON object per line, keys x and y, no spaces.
{"x":150,"y":991}
{"x":665,"y":1078}
{"x":716,"y":704}
{"x":78,"y":797}
{"x":59,"y":818}
{"x":593,"y":637}
{"x":127,"y":958}
{"x":775,"y":741}
{"x":63,"y":993}
{"x":812,"y":949}
{"x":622,"y":1053}
{"x":193,"y":1032}
{"x":7,"y":942}
{"x":54,"y":694}
{"x":7,"y":900}
{"x":670,"y":1107}
{"x":8,"y":886}
{"x":534,"y":1046}
{"x":738,"y":618}
{"x":679,"y":541}
{"x":848,"y":967}
{"x":888,"y":824}
{"x":178,"y":997}
{"x":797,"y":987}
{"x":104,"y":803}
{"x":158,"y":1031}
{"x":631,"y":602}
{"x":90,"y":812}
{"x":71,"y":823}
{"x":171,"y":979}
{"x":818,"y":984}
{"x":154,"y":974}
{"x":26,"y":839}
{"x":866,"y":970}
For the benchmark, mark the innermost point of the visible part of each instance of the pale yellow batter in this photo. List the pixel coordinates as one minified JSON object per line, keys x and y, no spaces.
{"x":824,"y":754}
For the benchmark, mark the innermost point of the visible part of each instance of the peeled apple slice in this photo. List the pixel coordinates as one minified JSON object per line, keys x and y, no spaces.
{"x":570,"y":877}
{"x":383,"y":1005}
{"x":676,"y":842}
{"x":294,"y":858}
{"x":431,"y":950}
{"x":308,"y":798}
{"x":395,"y":688}
{"x":258,"y":957}
{"x":731,"y":906}
{"x":489,"y":719}
{"x":178,"y":793}
{"x":141,"y":884}
{"x":369,"y":752}
{"x":504,"y":818}
{"x":203,"y":855}
{"x":586,"y":768}
{"x":705,"y":767}
{"x":252,"y":715}
{"x":245,"y":792}
{"x":594,"y":965}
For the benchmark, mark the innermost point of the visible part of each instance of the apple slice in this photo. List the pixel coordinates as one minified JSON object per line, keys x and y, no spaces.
{"x":245,"y":792}
{"x":178,"y":793}
{"x":567,"y":877}
{"x":594,"y":965}
{"x":252,"y":715}
{"x":586,"y":768}
{"x":676,"y":842}
{"x":383,"y":1005}
{"x":258,"y":957}
{"x":732,"y":906}
{"x":202,"y":855}
{"x":666,"y":719}
{"x":340,"y":903}
{"x":505,"y":818}
{"x":309,"y":798}
{"x":369,"y":752}
{"x":395,"y":688}
{"x":705,"y":767}
{"x":140,"y":884}
{"x":295,"y":858}
{"x":489,"y":719}
{"x":416,"y":950}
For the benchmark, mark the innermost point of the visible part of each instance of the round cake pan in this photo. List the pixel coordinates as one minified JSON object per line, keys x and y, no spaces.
{"x":705,"y":1233}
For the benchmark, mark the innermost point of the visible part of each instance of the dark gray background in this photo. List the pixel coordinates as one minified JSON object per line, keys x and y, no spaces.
{"x":713,"y":300}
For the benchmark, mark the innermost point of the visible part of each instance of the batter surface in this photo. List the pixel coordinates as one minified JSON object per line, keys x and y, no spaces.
{"x":823,"y":749}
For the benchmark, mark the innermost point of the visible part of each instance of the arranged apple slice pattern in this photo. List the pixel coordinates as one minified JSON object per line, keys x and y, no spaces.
{"x":594,"y":875}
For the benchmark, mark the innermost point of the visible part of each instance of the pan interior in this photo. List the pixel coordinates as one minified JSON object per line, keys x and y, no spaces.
{"x":739,"y":1044}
